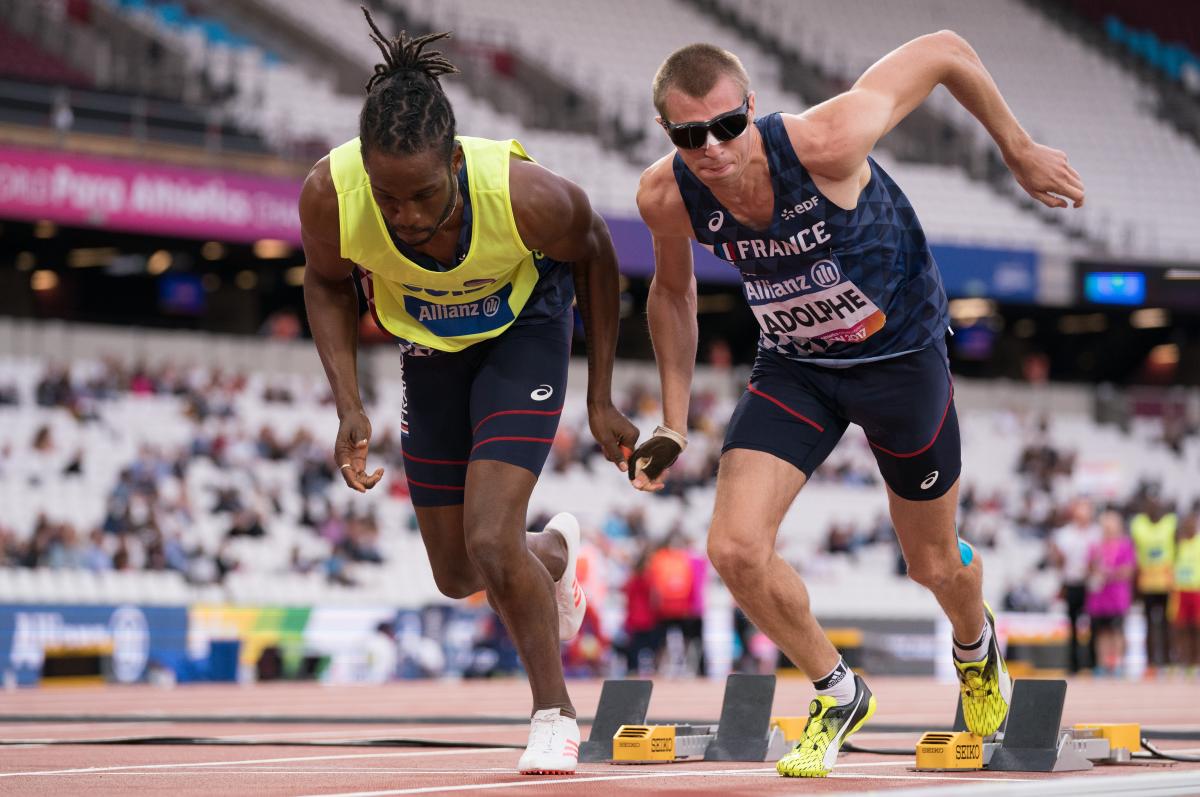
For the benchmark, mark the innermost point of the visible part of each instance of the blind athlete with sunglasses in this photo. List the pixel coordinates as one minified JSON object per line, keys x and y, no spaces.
{"x":836,"y":269}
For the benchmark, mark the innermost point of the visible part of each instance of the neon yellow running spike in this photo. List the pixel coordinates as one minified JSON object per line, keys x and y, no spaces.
{"x":986,"y":687}
{"x":828,"y":726}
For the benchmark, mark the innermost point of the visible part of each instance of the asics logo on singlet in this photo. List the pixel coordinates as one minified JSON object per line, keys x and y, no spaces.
{"x":716,"y":220}
{"x":542,"y":393}
{"x":930,"y":480}
{"x":787,"y":214}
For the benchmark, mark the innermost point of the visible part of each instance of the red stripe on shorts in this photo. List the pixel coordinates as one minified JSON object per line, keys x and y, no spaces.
{"x":434,"y":461}
{"x":924,"y":448}
{"x":514,"y":412}
{"x":785,"y":408}
{"x":514,"y":440}
{"x":416,"y":483}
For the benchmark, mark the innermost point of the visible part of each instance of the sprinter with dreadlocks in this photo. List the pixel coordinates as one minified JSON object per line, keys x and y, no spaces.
{"x":470,"y":255}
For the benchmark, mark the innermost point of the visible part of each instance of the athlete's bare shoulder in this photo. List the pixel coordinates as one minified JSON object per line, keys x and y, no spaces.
{"x":546,"y":205}
{"x":660,"y":203}
{"x":319,"y":205}
{"x":810,"y":138}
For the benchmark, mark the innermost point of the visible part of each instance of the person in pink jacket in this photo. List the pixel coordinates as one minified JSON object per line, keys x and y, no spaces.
{"x":1111,"y":566}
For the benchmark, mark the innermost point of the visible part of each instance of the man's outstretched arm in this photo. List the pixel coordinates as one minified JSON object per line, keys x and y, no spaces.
{"x":836,"y":136}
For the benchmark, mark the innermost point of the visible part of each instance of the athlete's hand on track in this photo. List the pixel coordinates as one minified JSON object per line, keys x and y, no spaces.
{"x":615,"y":433}
{"x":350,"y":452}
{"x":1046,"y":175}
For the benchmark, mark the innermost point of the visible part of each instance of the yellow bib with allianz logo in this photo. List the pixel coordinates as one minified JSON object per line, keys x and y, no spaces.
{"x":444,"y":310}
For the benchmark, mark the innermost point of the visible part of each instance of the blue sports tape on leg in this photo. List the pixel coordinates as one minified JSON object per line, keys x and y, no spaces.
{"x":965,"y":552}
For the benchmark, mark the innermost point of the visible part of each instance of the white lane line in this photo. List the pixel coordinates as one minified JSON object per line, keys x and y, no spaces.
{"x":381,"y":733}
{"x":541,"y":781}
{"x":981,"y":777}
{"x":236,"y":762}
{"x":633,"y":776}
{"x":910,"y":762}
{"x":295,"y":773}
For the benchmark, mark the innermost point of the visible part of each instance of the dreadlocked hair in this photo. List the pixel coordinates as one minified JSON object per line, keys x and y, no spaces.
{"x":406,"y":110}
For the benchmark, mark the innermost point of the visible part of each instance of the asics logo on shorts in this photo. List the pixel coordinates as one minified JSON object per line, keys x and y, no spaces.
{"x":930,"y":480}
{"x":542,"y":393}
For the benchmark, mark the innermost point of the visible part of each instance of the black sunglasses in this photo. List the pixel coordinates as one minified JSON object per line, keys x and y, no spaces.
{"x":726,"y":127}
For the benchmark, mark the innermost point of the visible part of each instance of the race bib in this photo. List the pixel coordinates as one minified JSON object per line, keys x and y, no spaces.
{"x":465,"y":318}
{"x":813,"y":302}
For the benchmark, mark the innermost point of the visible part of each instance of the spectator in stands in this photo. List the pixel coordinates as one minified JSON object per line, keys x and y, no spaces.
{"x":225,"y":562}
{"x":840,"y":539}
{"x":382,"y":654}
{"x":362,"y":540}
{"x":672,"y":579}
{"x":693,"y":625}
{"x":642,"y":637}
{"x":587,"y":653}
{"x":95,"y":553}
{"x":1187,"y":590}
{"x":62,"y":117}
{"x":43,"y":440}
{"x":297,"y":563}
{"x":1111,"y":566}
{"x":246,"y":523}
{"x":9,"y":395}
{"x":1070,"y":547}
{"x":1153,"y":532}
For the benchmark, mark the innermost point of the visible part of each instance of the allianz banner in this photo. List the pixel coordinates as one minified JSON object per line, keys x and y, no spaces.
{"x":137,"y":636}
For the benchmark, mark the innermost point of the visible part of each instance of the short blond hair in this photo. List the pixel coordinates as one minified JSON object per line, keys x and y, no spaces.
{"x":694,"y":70}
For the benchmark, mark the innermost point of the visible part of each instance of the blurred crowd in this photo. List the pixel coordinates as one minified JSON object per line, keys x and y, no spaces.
{"x":149,"y":507}
{"x":1111,"y":555}
{"x":1116,"y":556}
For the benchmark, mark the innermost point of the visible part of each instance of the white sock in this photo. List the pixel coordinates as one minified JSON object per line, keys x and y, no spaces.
{"x":838,"y":683}
{"x":977,"y":650}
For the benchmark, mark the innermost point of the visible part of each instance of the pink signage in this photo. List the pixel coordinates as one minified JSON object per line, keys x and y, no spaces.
{"x":82,"y":190}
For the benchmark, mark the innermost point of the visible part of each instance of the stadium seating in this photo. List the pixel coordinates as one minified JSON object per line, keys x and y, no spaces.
{"x":136,"y":431}
{"x":289,"y":104}
{"x":23,"y":59}
{"x":1143,"y":178}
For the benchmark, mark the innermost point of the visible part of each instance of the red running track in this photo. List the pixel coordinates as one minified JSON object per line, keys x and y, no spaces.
{"x":282,"y":770}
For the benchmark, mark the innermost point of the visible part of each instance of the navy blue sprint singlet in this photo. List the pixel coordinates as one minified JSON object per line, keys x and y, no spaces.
{"x":828,"y":286}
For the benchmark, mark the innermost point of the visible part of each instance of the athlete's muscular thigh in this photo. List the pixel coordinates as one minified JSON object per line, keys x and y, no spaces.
{"x":442,"y":532}
{"x":754,"y":491}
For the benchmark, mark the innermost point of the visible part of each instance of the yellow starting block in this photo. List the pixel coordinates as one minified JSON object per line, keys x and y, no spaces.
{"x":1124,"y":739}
{"x":649,"y":744}
{"x":937,"y":751}
{"x":792,"y":728}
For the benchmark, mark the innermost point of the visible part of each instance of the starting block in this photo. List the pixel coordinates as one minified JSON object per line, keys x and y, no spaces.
{"x":746,"y":731}
{"x":1032,"y":739}
{"x":651,"y":744}
{"x":622,"y":703}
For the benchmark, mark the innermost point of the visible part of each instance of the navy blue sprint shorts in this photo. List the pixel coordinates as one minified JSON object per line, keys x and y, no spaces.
{"x":499,"y":399}
{"x":905,"y":404}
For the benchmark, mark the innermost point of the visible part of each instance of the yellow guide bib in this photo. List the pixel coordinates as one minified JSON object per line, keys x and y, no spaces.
{"x":444,"y":310}
{"x":1187,"y":564}
{"x":1155,"y":543}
